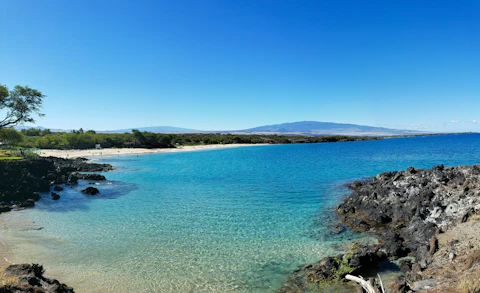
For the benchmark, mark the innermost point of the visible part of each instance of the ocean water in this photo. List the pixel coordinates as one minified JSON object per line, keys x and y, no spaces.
{"x":228,"y":220}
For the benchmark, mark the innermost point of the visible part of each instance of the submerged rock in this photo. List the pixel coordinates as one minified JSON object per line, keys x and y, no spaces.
{"x":55,"y":196}
{"x":96,"y":177}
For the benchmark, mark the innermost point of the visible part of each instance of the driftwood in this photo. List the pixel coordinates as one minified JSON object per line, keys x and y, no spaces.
{"x":381,"y":283}
{"x":368,"y":286}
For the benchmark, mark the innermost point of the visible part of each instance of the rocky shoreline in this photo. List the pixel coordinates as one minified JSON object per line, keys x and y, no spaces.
{"x":408,"y":211}
{"x":21,"y":183}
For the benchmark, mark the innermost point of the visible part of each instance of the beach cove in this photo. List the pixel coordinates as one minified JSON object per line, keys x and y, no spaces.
{"x":208,"y":226}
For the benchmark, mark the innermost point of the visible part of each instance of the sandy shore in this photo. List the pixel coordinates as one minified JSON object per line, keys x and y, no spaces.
{"x":4,"y":263}
{"x":90,"y":153}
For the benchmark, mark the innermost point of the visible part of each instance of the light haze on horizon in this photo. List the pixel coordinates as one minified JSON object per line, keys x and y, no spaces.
{"x":217,"y":65}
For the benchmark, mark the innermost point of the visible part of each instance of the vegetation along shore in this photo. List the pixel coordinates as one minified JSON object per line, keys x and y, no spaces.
{"x":80,"y":139}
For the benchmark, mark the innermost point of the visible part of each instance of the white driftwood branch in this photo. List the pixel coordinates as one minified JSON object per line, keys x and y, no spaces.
{"x":381,"y":283}
{"x":367,"y":286}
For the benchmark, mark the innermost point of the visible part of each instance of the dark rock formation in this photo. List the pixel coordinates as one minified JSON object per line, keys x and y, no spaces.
{"x":95,"y":177}
{"x":406,"y":210}
{"x":90,"y":190}
{"x":21,"y":181}
{"x":20,"y":184}
{"x":29,"y":278}
{"x":4,"y":207}
{"x":360,"y":260}
{"x":57,"y":188}
{"x":28,"y":203}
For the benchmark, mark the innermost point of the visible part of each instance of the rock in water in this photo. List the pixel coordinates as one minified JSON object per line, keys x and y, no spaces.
{"x":90,"y":190}
{"x":96,"y":177}
{"x":57,"y":188}
{"x":21,"y":181}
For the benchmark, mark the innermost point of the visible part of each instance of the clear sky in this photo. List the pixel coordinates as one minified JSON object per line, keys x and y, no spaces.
{"x":225,"y":64}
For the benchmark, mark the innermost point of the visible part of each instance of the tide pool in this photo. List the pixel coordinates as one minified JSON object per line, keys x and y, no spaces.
{"x":227,"y":220}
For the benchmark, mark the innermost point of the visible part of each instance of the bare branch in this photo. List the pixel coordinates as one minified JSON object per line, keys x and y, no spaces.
{"x":367,"y":286}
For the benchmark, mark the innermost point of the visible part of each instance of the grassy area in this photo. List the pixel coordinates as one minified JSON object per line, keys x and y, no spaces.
{"x":16,"y":154}
{"x":9,"y":155}
{"x":10,"y":158}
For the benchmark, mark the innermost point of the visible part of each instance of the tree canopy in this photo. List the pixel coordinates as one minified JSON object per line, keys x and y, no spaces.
{"x":19,"y":105}
{"x":11,"y":136}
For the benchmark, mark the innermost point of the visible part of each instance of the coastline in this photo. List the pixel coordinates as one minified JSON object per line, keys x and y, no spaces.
{"x":94,"y":153}
{"x":23,"y":180}
{"x":427,"y":222}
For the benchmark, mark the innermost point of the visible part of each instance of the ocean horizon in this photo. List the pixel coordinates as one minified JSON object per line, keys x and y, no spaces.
{"x":224,"y":220}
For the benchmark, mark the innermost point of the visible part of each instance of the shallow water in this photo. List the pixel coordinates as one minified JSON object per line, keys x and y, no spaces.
{"x":229,"y":220}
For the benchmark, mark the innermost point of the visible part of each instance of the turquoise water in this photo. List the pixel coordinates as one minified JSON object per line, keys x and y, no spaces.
{"x":228,"y":220}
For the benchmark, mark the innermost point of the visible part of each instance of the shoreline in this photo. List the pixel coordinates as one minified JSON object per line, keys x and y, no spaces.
{"x":4,"y":263}
{"x":32,"y":177}
{"x":95,"y":153}
{"x":427,"y":222}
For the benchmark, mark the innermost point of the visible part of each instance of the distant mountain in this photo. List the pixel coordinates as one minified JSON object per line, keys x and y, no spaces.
{"x":325,"y":128}
{"x":19,"y":128}
{"x":294,"y":128}
{"x":156,"y":129}
{"x":28,"y":127}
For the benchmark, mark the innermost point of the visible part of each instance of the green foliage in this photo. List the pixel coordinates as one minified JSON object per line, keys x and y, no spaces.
{"x":35,"y":132}
{"x":80,"y":131}
{"x":10,"y":158}
{"x":19,"y":104}
{"x":343,"y":267}
{"x":8,"y":155}
{"x":26,"y":154}
{"x":80,"y":139}
{"x":11,"y":136}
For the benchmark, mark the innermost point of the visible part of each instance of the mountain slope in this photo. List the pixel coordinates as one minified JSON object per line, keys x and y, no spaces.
{"x":325,"y":128}
{"x":311,"y":128}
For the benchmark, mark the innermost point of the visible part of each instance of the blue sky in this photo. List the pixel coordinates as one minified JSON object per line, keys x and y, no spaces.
{"x":213,"y":65}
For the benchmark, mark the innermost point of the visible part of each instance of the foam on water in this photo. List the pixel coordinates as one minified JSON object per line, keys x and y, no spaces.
{"x":233,"y":220}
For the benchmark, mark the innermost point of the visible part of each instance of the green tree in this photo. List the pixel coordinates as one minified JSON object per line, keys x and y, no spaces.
{"x":46,"y":132}
{"x":11,"y":136}
{"x":19,"y":104}
{"x":139,"y":137}
{"x":32,"y":132}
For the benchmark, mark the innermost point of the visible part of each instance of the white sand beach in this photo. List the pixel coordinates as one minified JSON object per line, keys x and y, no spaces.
{"x":91,"y":153}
